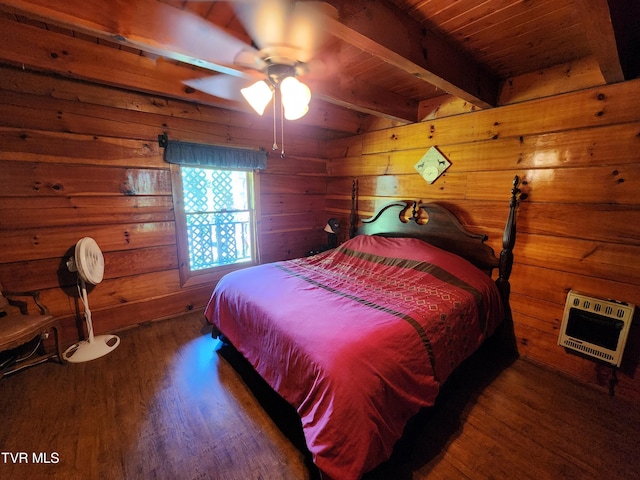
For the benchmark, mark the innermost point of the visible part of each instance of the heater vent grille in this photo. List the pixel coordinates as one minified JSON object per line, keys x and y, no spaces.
{"x":588,"y":350}
{"x":596,"y":327}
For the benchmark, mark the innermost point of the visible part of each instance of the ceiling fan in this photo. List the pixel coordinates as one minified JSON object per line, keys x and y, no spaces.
{"x":286,"y":35}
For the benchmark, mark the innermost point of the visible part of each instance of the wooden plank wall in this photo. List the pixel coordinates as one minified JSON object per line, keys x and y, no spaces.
{"x":78,"y":159}
{"x":579,"y":228}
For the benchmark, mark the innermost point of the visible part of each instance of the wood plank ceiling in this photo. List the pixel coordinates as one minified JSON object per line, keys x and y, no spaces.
{"x":380,"y":58}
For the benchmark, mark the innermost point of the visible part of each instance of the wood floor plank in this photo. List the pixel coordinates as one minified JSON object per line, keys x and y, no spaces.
{"x":168,"y":404}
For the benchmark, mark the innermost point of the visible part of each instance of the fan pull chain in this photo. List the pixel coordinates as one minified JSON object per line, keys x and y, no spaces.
{"x":282,"y":128}
{"x":275,"y":143}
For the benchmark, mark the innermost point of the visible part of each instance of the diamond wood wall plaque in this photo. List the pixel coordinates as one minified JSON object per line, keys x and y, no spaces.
{"x":432,"y":165}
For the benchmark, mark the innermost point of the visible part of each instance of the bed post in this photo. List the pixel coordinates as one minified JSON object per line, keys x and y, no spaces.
{"x":509,"y":238}
{"x":505,"y":265}
{"x":353,"y":217}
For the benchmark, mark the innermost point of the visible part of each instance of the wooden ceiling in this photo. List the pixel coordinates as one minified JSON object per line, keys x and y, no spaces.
{"x":397,"y":60}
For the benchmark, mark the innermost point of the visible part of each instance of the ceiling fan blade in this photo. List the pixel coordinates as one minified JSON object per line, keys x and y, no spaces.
{"x":222,"y":86}
{"x":318,"y":67}
{"x":306,"y":30}
{"x":285,"y":29}
{"x":265,"y":20}
{"x":201,"y":42}
{"x":250,"y":59}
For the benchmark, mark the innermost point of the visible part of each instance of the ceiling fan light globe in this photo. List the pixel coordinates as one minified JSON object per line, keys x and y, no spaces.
{"x":293,"y":90}
{"x":258,"y":96}
{"x":295,"y":98}
{"x":294,"y":113}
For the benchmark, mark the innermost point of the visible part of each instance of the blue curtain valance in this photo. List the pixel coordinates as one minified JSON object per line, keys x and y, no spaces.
{"x":202,"y":155}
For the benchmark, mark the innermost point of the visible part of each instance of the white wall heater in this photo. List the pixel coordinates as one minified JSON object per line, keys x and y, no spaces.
{"x":596,"y":327}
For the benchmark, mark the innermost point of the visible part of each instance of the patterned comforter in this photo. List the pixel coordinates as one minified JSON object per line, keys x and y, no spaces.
{"x":358,"y":338}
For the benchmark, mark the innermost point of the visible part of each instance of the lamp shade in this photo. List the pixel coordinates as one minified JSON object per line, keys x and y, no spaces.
{"x":295,"y":98}
{"x":258,"y":96}
{"x":332,"y":226}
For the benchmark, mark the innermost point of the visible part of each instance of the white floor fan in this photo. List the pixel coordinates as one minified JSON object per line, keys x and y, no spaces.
{"x":89,"y":263}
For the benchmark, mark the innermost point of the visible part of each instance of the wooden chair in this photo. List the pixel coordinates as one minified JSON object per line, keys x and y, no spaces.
{"x":18,"y":327}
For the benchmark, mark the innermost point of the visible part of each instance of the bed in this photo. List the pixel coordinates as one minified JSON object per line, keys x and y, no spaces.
{"x":361,"y":337}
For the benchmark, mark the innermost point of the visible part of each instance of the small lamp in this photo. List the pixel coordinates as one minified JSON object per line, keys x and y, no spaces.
{"x":332,"y":228}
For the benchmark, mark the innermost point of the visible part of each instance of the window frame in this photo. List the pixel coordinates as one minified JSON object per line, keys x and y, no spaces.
{"x":190,"y":277}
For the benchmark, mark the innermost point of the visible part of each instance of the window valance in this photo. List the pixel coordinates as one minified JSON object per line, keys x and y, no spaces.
{"x":203,"y":155}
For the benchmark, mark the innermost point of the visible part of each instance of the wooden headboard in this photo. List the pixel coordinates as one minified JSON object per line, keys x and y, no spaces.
{"x":436,"y":225}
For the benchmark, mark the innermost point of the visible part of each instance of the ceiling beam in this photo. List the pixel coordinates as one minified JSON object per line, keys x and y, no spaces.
{"x":160,"y":29}
{"x":596,"y":19}
{"x":382,"y":30}
{"x":347,"y":92}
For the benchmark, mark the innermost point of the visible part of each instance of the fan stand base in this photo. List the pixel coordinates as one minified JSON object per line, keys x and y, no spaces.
{"x":90,"y":350}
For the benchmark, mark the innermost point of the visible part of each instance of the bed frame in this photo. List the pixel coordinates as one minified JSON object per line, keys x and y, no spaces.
{"x":436,"y":225}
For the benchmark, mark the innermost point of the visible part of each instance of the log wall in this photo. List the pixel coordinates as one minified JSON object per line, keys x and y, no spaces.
{"x":77,"y":159}
{"x":579,"y":228}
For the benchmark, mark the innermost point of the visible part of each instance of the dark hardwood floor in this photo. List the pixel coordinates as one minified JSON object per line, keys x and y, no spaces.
{"x":167,"y":404}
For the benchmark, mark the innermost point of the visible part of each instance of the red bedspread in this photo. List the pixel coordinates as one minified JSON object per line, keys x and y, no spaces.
{"x":357,"y":339}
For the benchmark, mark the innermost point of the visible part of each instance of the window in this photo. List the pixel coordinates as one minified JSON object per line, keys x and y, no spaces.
{"x":214,"y":191}
{"x":215,"y":219}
